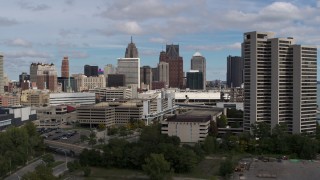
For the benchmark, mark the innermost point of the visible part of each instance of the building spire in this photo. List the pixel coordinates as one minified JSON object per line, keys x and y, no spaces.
{"x":131,"y":39}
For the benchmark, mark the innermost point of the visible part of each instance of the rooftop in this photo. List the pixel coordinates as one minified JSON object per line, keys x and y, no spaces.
{"x":189,"y":118}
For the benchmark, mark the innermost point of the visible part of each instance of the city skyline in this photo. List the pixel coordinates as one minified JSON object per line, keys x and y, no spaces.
{"x":97,"y":33}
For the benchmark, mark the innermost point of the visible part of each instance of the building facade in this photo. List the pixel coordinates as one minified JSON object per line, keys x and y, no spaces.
{"x":1,"y":75}
{"x":164,"y":73}
{"x":198,"y":62}
{"x":130,"y":67}
{"x":195,"y":80}
{"x":44,"y":76}
{"x":234,"y":71}
{"x":65,"y":67}
{"x":146,"y":77}
{"x":91,"y":70}
{"x":131,"y":50}
{"x":96,"y":114}
{"x":116,"y":80}
{"x":280,"y":82}
{"x":175,"y":61}
{"x":56,"y":99}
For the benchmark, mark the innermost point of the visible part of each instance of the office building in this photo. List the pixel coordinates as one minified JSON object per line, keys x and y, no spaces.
{"x":131,"y":50}
{"x":163,"y":69}
{"x":65,"y":67}
{"x":1,"y":75}
{"x":116,"y":80}
{"x":145,"y":77}
{"x":34,"y":97}
{"x":44,"y":76}
{"x":280,"y":82}
{"x":175,"y":61}
{"x":68,"y":84}
{"x":234,"y":71}
{"x":130,"y":67}
{"x":90,"y":70}
{"x":189,"y":128}
{"x":23,"y":77}
{"x":198,"y":62}
{"x":95,"y":115}
{"x":195,"y":79}
{"x":112,"y":94}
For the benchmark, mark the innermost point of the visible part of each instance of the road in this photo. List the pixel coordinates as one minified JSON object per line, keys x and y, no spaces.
{"x":31,"y":167}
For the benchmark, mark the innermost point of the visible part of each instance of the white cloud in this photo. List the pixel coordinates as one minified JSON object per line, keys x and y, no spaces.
{"x":158,"y":40}
{"x":18,"y":42}
{"x":29,"y":6}
{"x":131,"y":27}
{"x":26,"y":54}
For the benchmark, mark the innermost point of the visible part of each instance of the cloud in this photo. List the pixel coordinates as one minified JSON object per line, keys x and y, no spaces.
{"x":128,"y":28}
{"x":26,"y":54}
{"x":7,"y":22}
{"x":234,"y":46}
{"x":28,"y":6}
{"x":18,"y":42}
{"x":69,"y":2}
{"x":158,"y":40}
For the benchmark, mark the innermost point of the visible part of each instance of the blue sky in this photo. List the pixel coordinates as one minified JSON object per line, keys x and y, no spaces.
{"x":97,"y":32}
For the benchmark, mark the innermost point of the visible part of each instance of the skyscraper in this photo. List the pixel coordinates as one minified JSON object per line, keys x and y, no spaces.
{"x":164,"y":72}
{"x":65,"y":67}
{"x":175,"y":61}
{"x":130,"y":67}
{"x":44,"y":75}
{"x":198,"y":62}
{"x":91,"y":70}
{"x":146,"y":77}
{"x":1,"y":75}
{"x":131,"y":51}
{"x":280,"y":82}
{"x":234,"y":71}
{"x":195,"y":79}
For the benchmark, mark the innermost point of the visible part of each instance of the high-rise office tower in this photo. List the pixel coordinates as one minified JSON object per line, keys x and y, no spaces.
{"x":198,"y":62}
{"x":91,"y":70}
{"x":130,"y":67}
{"x":108,"y":69}
{"x":131,"y":51}
{"x":234,"y":71}
{"x":280,"y":82}
{"x":44,"y":75}
{"x":1,"y":75}
{"x":195,"y":79}
{"x":175,"y":61}
{"x":65,"y":67}
{"x":23,"y":78}
{"x":155,"y":74}
{"x":146,"y":77}
{"x":164,"y":72}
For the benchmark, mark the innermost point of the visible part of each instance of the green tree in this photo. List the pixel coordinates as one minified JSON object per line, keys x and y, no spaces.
{"x":48,"y":159}
{"x":213,"y":129}
{"x":83,"y":137}
{"x":222,"y":121}
{"x":101,"y":127}
{"x":92,"y":142}
{"x":86,"y":171}
{"x":210,"y":145}
{"x":41,"y":172}
{"x":226,"y":167}
{"x":157,"y":167}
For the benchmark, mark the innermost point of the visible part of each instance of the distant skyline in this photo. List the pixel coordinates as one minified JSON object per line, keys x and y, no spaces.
{"x":98,"y":32}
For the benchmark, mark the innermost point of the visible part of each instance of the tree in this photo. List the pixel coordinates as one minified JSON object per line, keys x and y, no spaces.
{"x":157,"y":167}
{"x":101,"y":127}
{"x":210,"y":145}
{"x":226,"y":167}
{"x":222,"y":121}
{"x":213,"y":129}
{"x":41,"y":172}
{"x":86,"y":171}
{"x":48,"y":159}
{"x":92,"y":141}
{"x":83,"y":137}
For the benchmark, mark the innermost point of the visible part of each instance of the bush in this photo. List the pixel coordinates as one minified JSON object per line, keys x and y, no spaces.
{"x":86,"y":171}
{"x":226,"y":168}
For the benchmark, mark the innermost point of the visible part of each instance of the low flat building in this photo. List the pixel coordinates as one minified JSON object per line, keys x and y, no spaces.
{"x":111,"y":94}
{"x":16,"y":116}
{"x":56,"y":99}
{"x":189,"y":128}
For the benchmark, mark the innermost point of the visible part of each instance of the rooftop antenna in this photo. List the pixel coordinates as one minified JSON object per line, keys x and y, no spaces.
{"x":131,"y":39}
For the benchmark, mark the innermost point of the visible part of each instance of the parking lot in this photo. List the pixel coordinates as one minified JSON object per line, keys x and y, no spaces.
{"x":67,"y":136}
{"x":284,"y":169}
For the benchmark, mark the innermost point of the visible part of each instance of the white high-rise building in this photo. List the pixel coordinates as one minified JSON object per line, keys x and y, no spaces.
{"x":1,"y":75}
{"x":108,"y":69}
{"x":130,"y":67}
{"x":280,"y":82}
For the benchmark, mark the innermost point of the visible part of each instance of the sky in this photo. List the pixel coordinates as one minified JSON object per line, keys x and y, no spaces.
{"x":96,"y":32}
